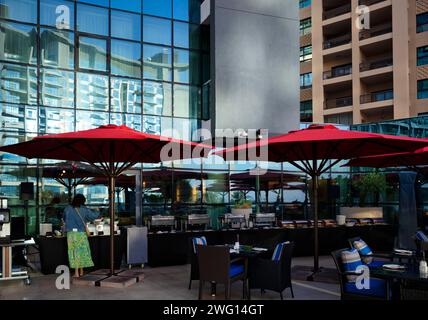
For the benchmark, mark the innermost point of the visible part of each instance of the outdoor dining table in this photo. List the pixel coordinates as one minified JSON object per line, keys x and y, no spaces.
{"x":246,"y":252}
{"x":399,"y":277}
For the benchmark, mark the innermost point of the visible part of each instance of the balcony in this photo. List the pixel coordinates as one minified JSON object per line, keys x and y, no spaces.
{"x":338,"y":41}
{"x":332,"y":13}
{"x":338,"y":103}
{"x":377,"y":96}
{"x":337,"y":72}
{"x":367,"y":66}
{"x":376,"y":31}
{"x":369,"y":2}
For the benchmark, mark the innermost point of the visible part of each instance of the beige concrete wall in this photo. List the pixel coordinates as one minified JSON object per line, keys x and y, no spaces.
{"x":405,"y":42}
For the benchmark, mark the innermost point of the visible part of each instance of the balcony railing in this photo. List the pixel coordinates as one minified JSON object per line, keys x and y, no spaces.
{"x":338,"y":41}
{"x":377,"y":96}
{"x":338,"y":103}
{"x":328,"y":14}
{"x":337,"y":72}
{"x":376,"y":31}
{"x":369,"y":2}
{"x":366,"y":66}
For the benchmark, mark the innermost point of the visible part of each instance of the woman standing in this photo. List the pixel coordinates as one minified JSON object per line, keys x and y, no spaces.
{"x":75,"y":217}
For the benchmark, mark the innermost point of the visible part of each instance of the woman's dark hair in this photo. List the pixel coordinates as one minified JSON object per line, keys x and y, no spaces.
{"x":78,"y":200}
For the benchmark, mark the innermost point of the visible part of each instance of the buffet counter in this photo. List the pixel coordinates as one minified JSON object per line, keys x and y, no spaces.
{"x":173,"y":248}
{"x":53,"y":252}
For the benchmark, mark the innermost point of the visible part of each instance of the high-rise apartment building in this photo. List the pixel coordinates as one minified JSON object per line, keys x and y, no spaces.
{"x":363,"y":61}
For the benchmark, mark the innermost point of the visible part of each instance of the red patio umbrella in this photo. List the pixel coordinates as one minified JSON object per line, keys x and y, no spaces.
{"x":112,"y":150}
{"x":406,"y":159}
{"x":311,"y":149}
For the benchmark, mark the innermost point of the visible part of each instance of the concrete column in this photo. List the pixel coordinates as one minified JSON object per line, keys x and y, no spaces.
{"x":317,"y":62}
{"x":356,"y":60}
{"x":400,"y":27}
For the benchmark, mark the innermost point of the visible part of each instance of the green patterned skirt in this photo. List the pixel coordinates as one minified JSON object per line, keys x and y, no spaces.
{"x":79,"y":253}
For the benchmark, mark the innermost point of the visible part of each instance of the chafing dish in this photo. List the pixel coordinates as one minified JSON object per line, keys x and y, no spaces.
{"x":365,"y":221}
{"x":320,"y":223}
{"x":161,"y":221}
{"x":379,"y":221}
{"x":288,"y":224}
{"x":301,"y":223}
{"x":330,"y":223}
{"x":235,"y":220}
{"x":195,"y":219}
{"x":263,"y":219}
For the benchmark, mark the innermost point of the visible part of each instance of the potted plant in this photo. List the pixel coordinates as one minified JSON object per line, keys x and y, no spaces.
{"x":370,"y":183}
{"x":243,"y":207}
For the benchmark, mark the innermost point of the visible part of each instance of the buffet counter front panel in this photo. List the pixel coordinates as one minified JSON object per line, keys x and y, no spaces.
{"x":173,"y":248}
{"x":53,"y":252}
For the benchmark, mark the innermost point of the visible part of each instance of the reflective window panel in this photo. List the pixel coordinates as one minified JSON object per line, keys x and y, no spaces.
{"x":92,"y":54}
{"x":92,"y":19}
{"x":57,"y":13}
{"x":186,"y":66}
{"x":157,"y":98}
{"x":157,"y":125}
{"x":57,"y":48}
{"x":125,"y":58}
{"x":125,"y":25}
{"x":8,"y":138}
{"x":18,"y":118}
{"x":125,"y":95}
{"x":161,"y":8}
{"x":56,"y":120}
{"x":187,"y":10}
{"x":22,"y":10}
{"x":128,"y":5}
{"x":156,"y":30}
{"x":157,"y":63}
{"x":19,"y":43}
{"x":186,"y":35}
{"x":56,"y":88}
{"x":187,"y":101}
{"x":19,"y":84}
{"x":131,"y":120}
{"x":92,"y":92}
{"x":86,"y":120}
{"x":185,"y":129}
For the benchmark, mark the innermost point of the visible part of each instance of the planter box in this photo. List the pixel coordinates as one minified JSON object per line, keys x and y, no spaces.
{"x":245,"y":212}
{"x":362,"y":212}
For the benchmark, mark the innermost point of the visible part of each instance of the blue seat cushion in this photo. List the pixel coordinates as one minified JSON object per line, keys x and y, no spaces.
{"x":201,"y":241}
{"x":236,"y":269}
{"x":351,"y":260}
{"x":276,"y":256}
{"x":376,"y":264}
{"x":377,"y":288}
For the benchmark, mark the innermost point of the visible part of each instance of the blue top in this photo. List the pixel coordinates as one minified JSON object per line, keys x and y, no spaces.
{"x":73,"y":221}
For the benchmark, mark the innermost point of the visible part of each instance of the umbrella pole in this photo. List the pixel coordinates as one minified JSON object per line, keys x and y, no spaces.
{"x":315,"y":212}
{"x":112,"y":182}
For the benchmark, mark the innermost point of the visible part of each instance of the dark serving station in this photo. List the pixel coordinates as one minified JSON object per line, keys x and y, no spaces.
{"x":173,"y":248}
{"x":53,"y":252}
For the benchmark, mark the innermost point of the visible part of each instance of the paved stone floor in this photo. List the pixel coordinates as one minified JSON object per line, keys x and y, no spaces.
{"x":163,"y":284}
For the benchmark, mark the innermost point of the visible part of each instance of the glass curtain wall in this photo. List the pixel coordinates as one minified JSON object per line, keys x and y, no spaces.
{"x":74,"y":65}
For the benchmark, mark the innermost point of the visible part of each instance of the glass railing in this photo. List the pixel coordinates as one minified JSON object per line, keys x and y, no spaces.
{"x":366,"y":66}
{"x":369,"y":2}
{"x":376,"y":31}
{"x":338,"y":41}
{"x":377,"y":96}
{"x":338,"y":102}
{"x":331,"y":13}
{"x":337,"y":72}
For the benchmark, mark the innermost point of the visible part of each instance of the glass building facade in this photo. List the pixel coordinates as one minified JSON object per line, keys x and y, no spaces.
{"x":76,"y":65}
